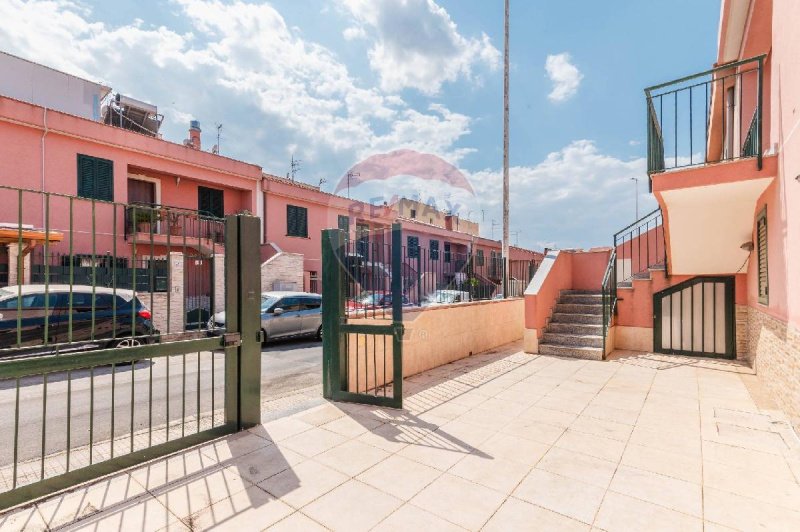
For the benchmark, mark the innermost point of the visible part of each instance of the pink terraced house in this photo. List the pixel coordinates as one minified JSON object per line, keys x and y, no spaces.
{"x":715,"y":271}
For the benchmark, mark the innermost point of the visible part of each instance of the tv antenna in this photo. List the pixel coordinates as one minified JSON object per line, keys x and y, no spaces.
{"x":295,"y":167}
{"x":494,"y":224}
{"x":219,"y":128}
{"x":351,"y":175}
{"x":516,"y":237}
{"x":322,"y":181}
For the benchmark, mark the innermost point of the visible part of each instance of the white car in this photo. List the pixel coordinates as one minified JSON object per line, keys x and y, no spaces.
{"x":446,"y":297}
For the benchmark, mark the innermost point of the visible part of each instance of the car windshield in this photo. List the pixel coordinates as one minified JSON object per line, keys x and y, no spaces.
{"x":267,"y":302}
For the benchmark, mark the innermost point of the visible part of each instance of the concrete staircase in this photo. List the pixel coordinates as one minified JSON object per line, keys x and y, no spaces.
{"x":576,"y":327}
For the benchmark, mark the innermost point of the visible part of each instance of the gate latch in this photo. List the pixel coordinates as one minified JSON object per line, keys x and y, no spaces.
{"x":233,"y":339}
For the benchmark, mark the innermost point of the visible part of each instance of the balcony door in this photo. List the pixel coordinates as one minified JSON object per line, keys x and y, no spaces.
{"x":141,"y":191}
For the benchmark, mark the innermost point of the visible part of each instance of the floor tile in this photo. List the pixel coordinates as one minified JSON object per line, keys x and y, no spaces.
{"x":399,"y":476}
{"x":303,"y":483}
{"x":184,"y":498}
{"x":756,"y":461}
{"x":562,"y":495}
{"x":658,"y":489}
{"x":578,"y":466}
{"x":297,"y":522}
{"x":234,"y":445}
{"x":146,"y":514}
{"x":352,"y":457}
{"x":496,"y":473}
{"x":436,"y":451}
{"x":750,"y":484}
{"x":602,"y":427}
{"x":686,"y":467}
{"x":245,"y":510}
{"x":622,"y":513}
{"x":515,"y":514}
{"x":743,"y":513}
{"x":28,"y":519}
{"x":313,"y":442}
{"x":352,"y":506}
{"x":460,"y":501}
{"x":285,"y":427}
{"x":263,"y":463}
{"x":603,"y":448}
{"x":414,"y":519}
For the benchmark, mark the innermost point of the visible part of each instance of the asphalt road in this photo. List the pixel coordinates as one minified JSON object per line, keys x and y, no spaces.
{"x":285,"y":367}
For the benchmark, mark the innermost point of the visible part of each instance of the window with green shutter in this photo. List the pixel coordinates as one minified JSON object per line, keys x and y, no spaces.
{"x":479,"y":259}
{"x":434,"y":247}
{"x":344,"y":223}
{"x":763,"y":271}
{"x":447,"y":254}
{"x":412,"y":249}
{"x":211,"y":202}
{"x":95,"y":178}
{"x":296,"y":221}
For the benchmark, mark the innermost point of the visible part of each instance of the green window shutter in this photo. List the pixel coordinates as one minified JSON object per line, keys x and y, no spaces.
{"x":210,"y":202}
{"x":434,"y":248}
{"x":344,"y":223}
{"x":447,"y":254}
{"x":95,"y":178}
{"x":763,"y":271}
{"x":413,"y":247}
{"x":296,"y":221}
{"x":479,"y":259}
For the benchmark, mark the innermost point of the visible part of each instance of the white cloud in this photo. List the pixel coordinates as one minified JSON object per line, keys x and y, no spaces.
{"x":417,"y":45}
{"x":565,"y":76}
{"x":353,"y":33}
{"x":237,"y":63}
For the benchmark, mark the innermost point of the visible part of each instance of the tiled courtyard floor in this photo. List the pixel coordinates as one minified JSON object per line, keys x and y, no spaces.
{"x":498,"y":441}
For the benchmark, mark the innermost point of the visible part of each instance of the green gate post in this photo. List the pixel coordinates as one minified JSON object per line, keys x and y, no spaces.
{"x":334,"y":372}
{"x":242,"y":316}
{"x":397,"y":315}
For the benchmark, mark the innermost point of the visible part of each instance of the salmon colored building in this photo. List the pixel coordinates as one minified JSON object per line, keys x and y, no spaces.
{"x":715,"y":271}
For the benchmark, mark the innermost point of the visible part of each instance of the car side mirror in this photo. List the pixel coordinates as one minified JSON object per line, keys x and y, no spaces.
{"x":278,"y":311}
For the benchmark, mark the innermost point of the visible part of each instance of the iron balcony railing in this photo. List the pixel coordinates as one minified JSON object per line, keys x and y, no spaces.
{"x":706,"y":118}
{"x":152,"y":218}
{"x":640,"y":247}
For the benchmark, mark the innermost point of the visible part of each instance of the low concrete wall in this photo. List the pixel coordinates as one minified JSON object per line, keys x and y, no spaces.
{"x":435,"y":336}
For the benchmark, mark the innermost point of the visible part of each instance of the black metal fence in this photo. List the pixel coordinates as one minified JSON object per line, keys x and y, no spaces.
{"x":148,"y":218}
{"x":640,"y":247}
{"x":150,"y":275}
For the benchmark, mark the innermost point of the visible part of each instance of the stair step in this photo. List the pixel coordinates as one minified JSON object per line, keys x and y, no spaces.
{"x":591,"y":319}
{"x":592,"y":353}
{"x":573,"y":340}
{"x":579,"y":308}
{"x":585,"y":299}
{"x":575,"y":328}
{"x":581,"y":292}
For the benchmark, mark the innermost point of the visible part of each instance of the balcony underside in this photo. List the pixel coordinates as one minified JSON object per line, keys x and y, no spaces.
{"x":708,"y":215}
{"x":203,"y":246}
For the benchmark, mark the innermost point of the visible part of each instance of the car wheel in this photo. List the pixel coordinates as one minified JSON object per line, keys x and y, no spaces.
{"x":128,"y":342}
{"x":319,"y":333}
{"x":263,"y":337}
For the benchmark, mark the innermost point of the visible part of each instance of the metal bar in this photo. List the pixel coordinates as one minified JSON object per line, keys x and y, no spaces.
{"x":16,"y":435}
{"x":707,"y":72}
{"x":94,"y":270}
{"x":91,"y":415}
{"x":71,"y":271}
{"x":133,"y":398}
{"x":69,"y":416}
{"x":113,"y":403}
{"x":20,"y":273}
{"x":691,"y":132}
{"x":114,"y":275}
{"x":759,"y":111}
{"x":44,"y":423}
{"x":47,"y":269}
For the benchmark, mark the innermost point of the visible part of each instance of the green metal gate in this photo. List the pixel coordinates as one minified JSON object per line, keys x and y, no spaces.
{"x":362,"y":317}
{"x":696,"y":317}
{"x":89,"y":382}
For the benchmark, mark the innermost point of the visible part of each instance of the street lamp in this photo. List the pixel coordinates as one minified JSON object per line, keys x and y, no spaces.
{"x":636,"y":181}
{"x":505,"y":153}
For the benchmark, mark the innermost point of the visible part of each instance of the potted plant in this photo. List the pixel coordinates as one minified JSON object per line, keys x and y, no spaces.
{"x":144,"y":219}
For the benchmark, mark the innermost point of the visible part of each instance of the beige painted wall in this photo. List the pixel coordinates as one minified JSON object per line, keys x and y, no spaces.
{"x":435,"y":336}
{"x":631,"y":338}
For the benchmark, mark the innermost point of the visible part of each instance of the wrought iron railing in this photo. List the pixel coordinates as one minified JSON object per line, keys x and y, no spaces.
{"x":609,"y":295}
{"x":705,"y":118}
{"x":150,"y":218}
{"x":641,"y":246}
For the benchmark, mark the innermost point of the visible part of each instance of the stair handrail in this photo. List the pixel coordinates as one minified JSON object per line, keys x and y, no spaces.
{"x":642,"y":245}
{"x":608,"y":293}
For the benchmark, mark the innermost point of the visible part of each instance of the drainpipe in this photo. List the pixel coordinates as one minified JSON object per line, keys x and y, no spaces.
{"x":260,"y":206}
{"x":44,"y":134}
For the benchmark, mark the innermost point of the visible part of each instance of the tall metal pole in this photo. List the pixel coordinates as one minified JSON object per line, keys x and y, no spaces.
{"x":636,"y":180}
{"x":505,"y":156}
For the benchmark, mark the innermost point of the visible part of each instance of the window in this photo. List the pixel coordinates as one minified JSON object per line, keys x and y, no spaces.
{"x":479,"y":259}
{"x":413,"y":213}
{"x":95,"y":178}
{"x":434,"y":247}
{"x":447,"y":254}
{"x":344,"y":223}
{"x":290,"y":304}
{"x":311,"y":303}
{"x":412,"y":250}
{"x":296,"y":221}
{"x":210,"y":202}
{"x":763,"y":272}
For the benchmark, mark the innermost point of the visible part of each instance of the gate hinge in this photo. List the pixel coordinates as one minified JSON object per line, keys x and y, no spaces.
{"x":233,"y":339}
{"x":399,"y":331}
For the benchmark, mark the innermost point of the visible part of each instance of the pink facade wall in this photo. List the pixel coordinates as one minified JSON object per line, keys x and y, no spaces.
{"x":39,"y":151}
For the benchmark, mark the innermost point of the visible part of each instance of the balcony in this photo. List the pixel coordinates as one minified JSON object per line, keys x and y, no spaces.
{"x":173,"y":227}
{"x":706,"y":118}
{"x":706,"y":164}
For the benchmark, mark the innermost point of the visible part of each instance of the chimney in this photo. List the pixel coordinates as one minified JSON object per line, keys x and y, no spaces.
{"x":194,"y":134}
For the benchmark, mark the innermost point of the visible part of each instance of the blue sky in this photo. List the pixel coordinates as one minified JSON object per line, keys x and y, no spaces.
{"x":333,"y":82}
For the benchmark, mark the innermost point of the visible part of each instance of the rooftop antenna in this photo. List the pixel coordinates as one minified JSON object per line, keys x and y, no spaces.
{"x":219,"y":127}
{"x":351,"y":175}
{"x":516,"y":237}
{"x":494,"y":223}
{"x":295,"y":167}
{"x":322,"y":181}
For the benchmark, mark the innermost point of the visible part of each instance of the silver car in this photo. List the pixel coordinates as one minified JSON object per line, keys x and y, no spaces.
{"x":283,"y":315}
